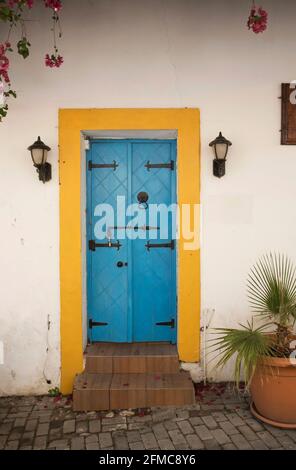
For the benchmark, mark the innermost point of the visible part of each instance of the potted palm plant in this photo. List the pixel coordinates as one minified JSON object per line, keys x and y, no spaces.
{"x":265,"y":354}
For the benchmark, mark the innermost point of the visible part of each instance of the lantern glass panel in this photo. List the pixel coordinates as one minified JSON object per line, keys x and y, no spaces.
{"x":39,"y":156}
{"x":221,"y":151}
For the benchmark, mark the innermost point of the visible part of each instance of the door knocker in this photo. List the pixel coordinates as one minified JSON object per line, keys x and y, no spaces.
{"x":142,"y":199}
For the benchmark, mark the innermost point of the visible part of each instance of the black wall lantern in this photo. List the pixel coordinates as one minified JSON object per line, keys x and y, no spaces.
{"x":220,"y":146}
{"x":39,"y":156}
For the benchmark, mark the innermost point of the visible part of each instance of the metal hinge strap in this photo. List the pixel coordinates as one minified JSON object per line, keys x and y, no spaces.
{"x":167,"y":323}
{"x":91,"y":323}
{"x":170,"y":166}
{"x":92,"y":245}
{"x":170,"y":245}
{"x":92,"y":165}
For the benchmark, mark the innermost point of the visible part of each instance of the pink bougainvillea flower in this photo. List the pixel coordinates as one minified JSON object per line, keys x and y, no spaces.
{"x":53,"y":60}
{"x":12,"y":3}
{"x":4,"y":62}
{"x":257,"y":20}
{"x":56,"y":5}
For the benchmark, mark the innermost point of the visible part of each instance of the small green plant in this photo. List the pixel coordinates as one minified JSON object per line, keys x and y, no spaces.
{"x":54,"y":392}
{"x":272,"y":295}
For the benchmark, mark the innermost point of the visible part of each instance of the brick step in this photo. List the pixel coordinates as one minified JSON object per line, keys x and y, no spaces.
{"x":131,"y":358}
{"x":94,"y":392}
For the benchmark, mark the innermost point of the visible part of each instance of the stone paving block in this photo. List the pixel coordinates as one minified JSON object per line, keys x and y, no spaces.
{"x":240,"y":442}
{"x":249,"y":434}
{"x":94,"y":425}
{"x":136,"y":446}
{"x":91,"y":439}
{"x":114,"y":427}
{"x":160,"y":431}
{"x":16,"y":434}
{"x":219,"y":416}
{"x":40,"y":443}
{"x":212,"y":407}
{"x":55,"y":433}
{"x":69,"y":426}
{"x":12,"y":445}
{"x":209,"y":422}
{"x":105,"y":440}
{"x":183,"y":446}
{"x":19,"y":422}
{"x":160,"y":415}
{"x":291,"y":433}
{"x":42,"y":429}
{"x":120,"y":441}
{"x":194,"y":442}
{"x":177,"y":438}
{"x":245,"y":414}
{"x":165,"y":444}
{"x":58,"y":443}
{"x":137,"y":426}
{"x":18,"y":415}
{"x":235,"y":419}
{"x":254,"y":424}
{"x":212,"y":444}
{"x":170,"y":425}
{"x":203,"y":432}
{"x":220,"y":436}
{"x":5,"y":428}
{"x":259,"y":445}
{"x":149,"y":441}
{"x":3,"y":440}
{"x":196,"y":421}
{"x":116,"y":420}
{"x":27,"y":438}
{"x":268,"y":439}
{"x":77,"y":443}
{"x":228,"y":428}
{"x":133,"y":436}
{"x":185,"y":427}
{"x":286,"y":442}
{"x":229,"y":447}
{"x":81,"y":427}
{"x":31,"y":425}
{"x":273,"y":430}
{"x":92,"y":446}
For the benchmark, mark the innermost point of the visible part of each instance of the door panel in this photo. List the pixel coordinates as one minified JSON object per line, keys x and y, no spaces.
{"x":154,"y":277}
{"x":107,"y":284}
{"x":131,"y":300}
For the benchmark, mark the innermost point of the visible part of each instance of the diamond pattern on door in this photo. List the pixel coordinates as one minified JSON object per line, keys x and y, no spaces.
{"x":130,"y":300}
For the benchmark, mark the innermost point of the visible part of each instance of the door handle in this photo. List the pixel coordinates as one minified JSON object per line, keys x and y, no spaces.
{"x":120,"y":264}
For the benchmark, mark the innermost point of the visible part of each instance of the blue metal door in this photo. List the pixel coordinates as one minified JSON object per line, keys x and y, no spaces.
{"x":131,"y":275}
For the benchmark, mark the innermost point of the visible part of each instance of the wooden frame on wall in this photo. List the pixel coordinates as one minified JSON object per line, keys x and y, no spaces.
{"x":288,"y":125}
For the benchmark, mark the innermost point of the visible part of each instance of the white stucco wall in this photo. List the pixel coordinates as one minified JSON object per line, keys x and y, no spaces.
{"x":147,"y":53}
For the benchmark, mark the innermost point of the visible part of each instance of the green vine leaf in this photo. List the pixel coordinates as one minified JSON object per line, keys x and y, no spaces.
{"x":23,"y":47}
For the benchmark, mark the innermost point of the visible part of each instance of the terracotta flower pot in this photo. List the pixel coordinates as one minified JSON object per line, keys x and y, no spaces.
{"x":273,"y":391}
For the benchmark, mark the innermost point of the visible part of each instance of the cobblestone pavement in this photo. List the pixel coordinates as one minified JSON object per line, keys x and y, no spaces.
{"x":219,"y":420}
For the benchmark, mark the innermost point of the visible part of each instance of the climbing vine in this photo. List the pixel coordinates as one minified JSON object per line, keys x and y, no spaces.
{"x":12,"y":13}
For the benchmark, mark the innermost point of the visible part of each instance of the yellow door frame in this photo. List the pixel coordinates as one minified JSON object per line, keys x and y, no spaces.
{"x":71,"y":123}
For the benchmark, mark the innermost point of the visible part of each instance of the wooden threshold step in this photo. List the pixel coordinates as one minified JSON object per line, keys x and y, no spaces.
{"x":132,"y":358}
{"x":94,"y":392}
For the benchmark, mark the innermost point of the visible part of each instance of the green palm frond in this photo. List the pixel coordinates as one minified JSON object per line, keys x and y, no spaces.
{"x":249,"y":344}
{"x":272,"y":288}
